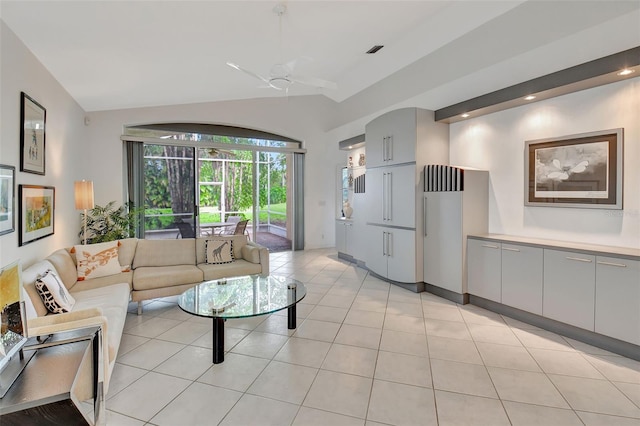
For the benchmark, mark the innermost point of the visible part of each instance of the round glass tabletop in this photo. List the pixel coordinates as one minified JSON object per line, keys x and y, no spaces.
{"x":240,"y":297}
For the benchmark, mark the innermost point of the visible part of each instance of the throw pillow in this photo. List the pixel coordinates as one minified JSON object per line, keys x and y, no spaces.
{"x":53,"y":293}
{"x":219,"y":251}
{"x":97,"y":260}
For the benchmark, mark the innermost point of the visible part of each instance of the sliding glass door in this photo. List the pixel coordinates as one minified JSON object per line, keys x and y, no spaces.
{"x":199,"y":184}
{"x":169,"y":196}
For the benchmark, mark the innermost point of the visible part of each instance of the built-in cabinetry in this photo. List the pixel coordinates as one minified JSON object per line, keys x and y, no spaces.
{"x":392,"y":138}
{"x":455,"y":204}
{"x":344,"y":236}
{"x":595,"y":288}
{"x":569,"y":288}
{"x":521,"y":274}
{"x":484,"y":269}
{"x":618,"y":298}
{"x":391,"y":198}
{"x":388,"y":253}
{"x":399,"y":144}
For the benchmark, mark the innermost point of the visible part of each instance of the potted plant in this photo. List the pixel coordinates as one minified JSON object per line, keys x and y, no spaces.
{"x":109,"y":223}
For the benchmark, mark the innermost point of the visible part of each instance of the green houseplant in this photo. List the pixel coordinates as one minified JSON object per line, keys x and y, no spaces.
{"x":109,"y":223}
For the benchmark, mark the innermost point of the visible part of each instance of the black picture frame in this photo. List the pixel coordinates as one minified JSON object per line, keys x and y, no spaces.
{"x":37,"y":213}
{"x":7,"y":199}
{"x":33,"y":120}
{"x":583,"y":170}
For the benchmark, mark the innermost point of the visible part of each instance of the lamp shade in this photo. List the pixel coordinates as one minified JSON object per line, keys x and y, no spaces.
{"x":84,"y":194}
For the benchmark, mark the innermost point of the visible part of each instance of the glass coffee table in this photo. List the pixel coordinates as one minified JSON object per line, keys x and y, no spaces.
{"x":241,"y":297}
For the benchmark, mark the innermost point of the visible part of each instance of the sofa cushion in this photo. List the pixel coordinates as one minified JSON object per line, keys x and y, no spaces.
{"x":64,"y":264}
{"x":113,"y":301}
{"x":97,"y":260}
{"x":165,"y":253}
{"x":251,"y":253}
{"x":237,"y":268}
{"x":127,"y":251}
{"x":55,"y":296}
{"x":219,"y":251}
{"x":122,"y":277}
{"x":239,"y":241}
{"x":145,"y":278}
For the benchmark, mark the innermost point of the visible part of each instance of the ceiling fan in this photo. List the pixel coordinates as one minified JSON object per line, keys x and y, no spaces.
{"x":282,"y":76}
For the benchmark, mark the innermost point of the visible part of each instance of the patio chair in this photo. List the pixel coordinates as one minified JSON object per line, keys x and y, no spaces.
{"x":186,"y":231}
{"x":241,"y":228}
{"x":229,"y":230}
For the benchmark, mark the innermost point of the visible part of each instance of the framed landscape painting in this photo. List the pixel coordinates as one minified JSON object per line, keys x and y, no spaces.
{"x":37,"y":204}
{"x":7,"y":199}
{"x":582,"y":170}
{"x":33,"y":119}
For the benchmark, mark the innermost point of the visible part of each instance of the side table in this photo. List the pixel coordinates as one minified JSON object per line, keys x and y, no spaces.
{"x":44,"y":393}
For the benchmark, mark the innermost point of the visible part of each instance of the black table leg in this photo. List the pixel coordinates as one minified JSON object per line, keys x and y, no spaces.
{"x":218,"y":340}
{"x":291,"y":315}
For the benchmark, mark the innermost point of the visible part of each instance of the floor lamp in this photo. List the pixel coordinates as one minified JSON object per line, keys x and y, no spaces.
{"x":84,"y":200}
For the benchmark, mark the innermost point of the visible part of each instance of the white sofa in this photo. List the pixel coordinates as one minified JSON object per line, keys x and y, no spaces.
{"x":158,"y":268}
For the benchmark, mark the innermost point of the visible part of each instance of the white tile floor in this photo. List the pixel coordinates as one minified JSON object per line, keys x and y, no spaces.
{"x":364,"y":353}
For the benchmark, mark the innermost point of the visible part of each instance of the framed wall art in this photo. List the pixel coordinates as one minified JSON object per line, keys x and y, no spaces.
{"x":32,"y":135}
{"x":583,"y":170}
{"x":7,"y":199}
{"x":37,"y":207}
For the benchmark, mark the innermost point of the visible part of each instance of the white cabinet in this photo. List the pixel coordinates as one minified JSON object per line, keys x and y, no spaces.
{"x":443,"y":241}
{"x":522,"y":277}
{"x":401,"y":255}
{"x":391,"y":253}
{"x":392,"y":192}
{"x":391,"y":138}
{"x":341,"y":242}
{"x":596,"y":288}
{"x":399,"y":144}
{"x":618,"y":298}
{"x":344,"y":236}
{"x":451,"y":211}
{"x":569,"y":288}
{"x":484,"y":269}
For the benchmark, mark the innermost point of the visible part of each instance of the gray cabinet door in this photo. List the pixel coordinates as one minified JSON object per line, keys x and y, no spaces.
{"x":391,"y":138}
{"x":401,"y":255}
{"x":618,"y":298}
{"x":341,"y":244}
{"x":569,"y":288}
{"x":443,"y":240}
{"x":484,"y":270}
{"x":522,"y":269}
{"x":348,"y":238}
{"x":376,"y":255}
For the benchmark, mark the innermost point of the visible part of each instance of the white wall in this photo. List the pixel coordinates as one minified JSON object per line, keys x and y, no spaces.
{"x":302,"y":118}
{"x":495,"y":142}
{"x":66,"y":157}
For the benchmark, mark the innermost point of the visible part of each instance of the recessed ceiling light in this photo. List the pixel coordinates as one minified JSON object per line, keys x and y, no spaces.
{"x":465,"y":115}
{"x":529,"y":98}
{"x":626,"y":71}
{"x":350,"y":146}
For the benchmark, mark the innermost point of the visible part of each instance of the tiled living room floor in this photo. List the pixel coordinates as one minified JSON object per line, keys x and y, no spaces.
{"x":364,"y":353}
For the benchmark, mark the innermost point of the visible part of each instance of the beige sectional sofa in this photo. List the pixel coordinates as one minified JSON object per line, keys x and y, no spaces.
{"x":153,"y":268}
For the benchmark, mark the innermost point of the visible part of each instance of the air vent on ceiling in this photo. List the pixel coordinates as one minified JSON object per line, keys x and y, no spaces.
{"x":374,"y":49}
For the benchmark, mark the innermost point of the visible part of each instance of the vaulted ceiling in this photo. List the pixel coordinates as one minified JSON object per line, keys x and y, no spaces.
{"x":122,"y":54}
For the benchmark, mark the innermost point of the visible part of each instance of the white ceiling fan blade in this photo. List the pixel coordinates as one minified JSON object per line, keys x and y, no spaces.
{"x":246,"y":71}
{"x":314,"y":81}
{"x":291,"y":65}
